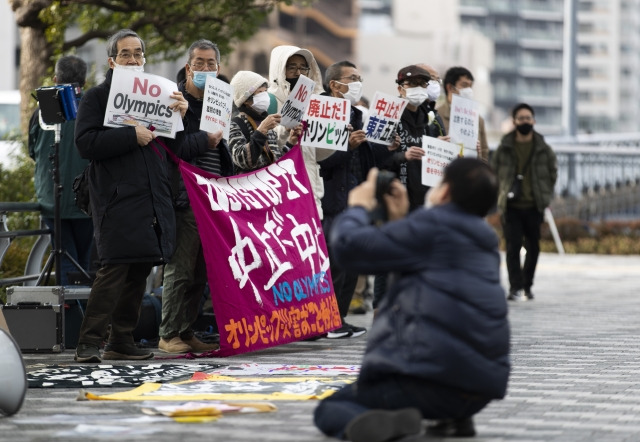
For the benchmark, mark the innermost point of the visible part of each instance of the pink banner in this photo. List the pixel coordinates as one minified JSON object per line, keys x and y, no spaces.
{"x":266,"y":255}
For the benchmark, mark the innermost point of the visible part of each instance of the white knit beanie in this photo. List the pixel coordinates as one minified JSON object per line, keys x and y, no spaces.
{"x":245,"y":83}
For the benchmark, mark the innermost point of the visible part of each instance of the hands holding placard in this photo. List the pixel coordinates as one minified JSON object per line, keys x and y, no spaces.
{"x":214,"y":138}
{"x":295,"y":134}
{"x":269,"y":123}
{"x":180,"y":105}
{"x":356,"y":137}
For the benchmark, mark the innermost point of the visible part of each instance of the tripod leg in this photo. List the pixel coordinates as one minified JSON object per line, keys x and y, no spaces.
{"x":46,"y":270}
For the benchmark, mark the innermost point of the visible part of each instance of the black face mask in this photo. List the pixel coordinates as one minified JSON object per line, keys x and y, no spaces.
{"x":292,"y":82}
{"x":525,"y":128}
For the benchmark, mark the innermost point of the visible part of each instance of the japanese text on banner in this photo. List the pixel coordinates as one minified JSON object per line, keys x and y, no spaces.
{"x":327,"y":120}
{"x":464,"y":124}
{"x":384,"y":115}
{"x":217,"y":106}
{"x":438,"y":154}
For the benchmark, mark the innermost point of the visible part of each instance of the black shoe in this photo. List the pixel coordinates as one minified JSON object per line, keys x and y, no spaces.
{"x":342,"y":332}
{"x":514,"y":295}
{"x":528,"y":294}
{"x":384,"y":425}
{"x":453,"y":428}
{"x":355,"y":330}
{"x":87,"y":353}
{"x":126,"y":352}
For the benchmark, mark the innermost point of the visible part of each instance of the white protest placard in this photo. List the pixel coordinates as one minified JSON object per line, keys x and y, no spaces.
{"x":438,"y":154}
{"x":140,"y":99}
{"x":294,"y":108}
{"x":384,"y":115}
{"x":464,"y":124}
{"x":327,"y":120}
{"x":217,"y":105}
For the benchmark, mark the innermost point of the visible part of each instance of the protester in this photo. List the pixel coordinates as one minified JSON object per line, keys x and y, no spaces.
{"x":131,"y":209}
{"x":459,"y":80}
{"x":436,"y":124}
{"x":185,"y":276}
{"x":341,"y":172}
{"x":76,"y":228}
{"x":285,"y":67}
{"x":527,"y":170}
{"x":252,"y":138}
{"x":439,"y":347}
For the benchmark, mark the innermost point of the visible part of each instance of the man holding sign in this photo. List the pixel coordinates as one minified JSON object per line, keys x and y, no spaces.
{"x":131,"y":208}
{"x":185,"y":277}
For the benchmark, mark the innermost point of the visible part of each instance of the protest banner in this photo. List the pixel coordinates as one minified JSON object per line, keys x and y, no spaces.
{"x":217,"y":106}
{"x":139,"y":99}
{"x":327,"y":120}
{"x":464,"y":124}
{"x":266,"y":256}
{"x":384,"y":115}
{"x":294,"y":108}
{"x":438,"y":154}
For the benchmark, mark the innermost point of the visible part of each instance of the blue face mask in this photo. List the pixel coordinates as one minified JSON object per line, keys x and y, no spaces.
{"x":200,"y":78}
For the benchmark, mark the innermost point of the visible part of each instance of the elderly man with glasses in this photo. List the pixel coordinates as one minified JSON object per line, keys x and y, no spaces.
{"x":133,"y":219}
{"x":185,"y":277}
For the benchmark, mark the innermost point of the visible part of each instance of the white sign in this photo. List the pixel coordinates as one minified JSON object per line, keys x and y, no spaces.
{"x":294,"y":108}
{"x":438,"y":154}
{"x":464,"y":124}
{"x":139,"y":99}
{"x":383,"y":119}
{"x":217,"y":106}
{"x":327,"y":120}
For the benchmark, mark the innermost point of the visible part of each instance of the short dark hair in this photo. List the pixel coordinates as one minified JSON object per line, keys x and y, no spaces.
{"x":112,"y":43}
{"x":71,"y":69}
{"x":521,"y":106}
{"x":472,"y":184}
{"x":454,"y":74}
{"x":334,"y":72}
{"x":203,"y":44}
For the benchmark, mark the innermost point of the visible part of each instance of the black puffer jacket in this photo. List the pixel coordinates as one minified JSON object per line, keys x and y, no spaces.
{"x":129,"y":186}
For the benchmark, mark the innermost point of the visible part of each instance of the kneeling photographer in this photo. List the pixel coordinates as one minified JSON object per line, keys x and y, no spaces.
{"x":439,"y":346}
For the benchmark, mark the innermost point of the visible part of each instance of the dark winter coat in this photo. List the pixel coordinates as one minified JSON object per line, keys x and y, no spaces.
{"x":129,"y":186}
{"x":444,"y":319}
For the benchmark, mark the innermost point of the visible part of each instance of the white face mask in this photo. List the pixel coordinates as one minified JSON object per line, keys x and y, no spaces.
{"x":354,"y":94}
{"x":417,"y":95}
{"x":433,"y":89}
{"x":127,"y":67}
{"x":466,"y":92}
{"x":261,"y":102}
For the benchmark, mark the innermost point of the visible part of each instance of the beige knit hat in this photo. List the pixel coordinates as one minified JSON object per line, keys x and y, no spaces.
{"x":245,"y":83}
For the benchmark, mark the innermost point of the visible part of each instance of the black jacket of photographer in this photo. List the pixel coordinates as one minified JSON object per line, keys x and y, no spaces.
{"x":129,"y":185}
{"x":344,"y":170}
{"x":413,"y":125}
{"x":196,"y":141}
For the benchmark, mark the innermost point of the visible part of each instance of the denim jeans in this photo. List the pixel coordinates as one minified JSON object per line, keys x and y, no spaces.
{"x":77,"y":240}
{"x":333,"y":414}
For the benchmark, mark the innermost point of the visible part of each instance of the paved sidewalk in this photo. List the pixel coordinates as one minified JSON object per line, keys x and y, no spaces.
{"x":576,"y":370}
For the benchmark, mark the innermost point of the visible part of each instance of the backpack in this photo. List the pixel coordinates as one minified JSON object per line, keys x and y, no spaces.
{"x":81,"y":191}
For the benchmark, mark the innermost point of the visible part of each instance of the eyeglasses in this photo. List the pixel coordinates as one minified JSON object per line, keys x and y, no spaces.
{"x":416,"y":83}
{"x":200,"y":64}
{"x":353,"y":78}
{"x":137,"y":56}
{"x":292,"y":68}
{"x":523,"y":119}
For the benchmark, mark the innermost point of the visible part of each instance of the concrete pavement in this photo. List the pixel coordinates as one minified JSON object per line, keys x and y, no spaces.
{"x":576,"y":371}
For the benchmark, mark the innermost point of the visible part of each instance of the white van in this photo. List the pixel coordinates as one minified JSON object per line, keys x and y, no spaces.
{"x":9,"y":126}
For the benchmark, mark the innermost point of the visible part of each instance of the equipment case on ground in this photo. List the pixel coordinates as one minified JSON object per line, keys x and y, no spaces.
{"x":37,"y":328}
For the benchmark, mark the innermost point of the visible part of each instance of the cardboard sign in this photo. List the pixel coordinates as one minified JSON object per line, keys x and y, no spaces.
{"x":266,"y":256}
{"x":217,"y":106}
{"x":384,"y":116}
{"x":294,"y":108}
{"x":438,"y":154}
{"x":327,"y":120}
{"x":139,"y":99}
{"x":464,"y":124}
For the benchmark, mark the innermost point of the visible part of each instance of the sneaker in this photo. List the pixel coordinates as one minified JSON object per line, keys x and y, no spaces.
{"x":87,"y":353}
{"x":125,"y":352}
{"x":197,"y":346}
{"x":384,"y":425}
{"x":355,"y":330}
{"x":453,"y":428}
{"x":174,"y":345}
{"x":528,"y":294}
{"x":514,"y":295}
{"x":342,"y":332}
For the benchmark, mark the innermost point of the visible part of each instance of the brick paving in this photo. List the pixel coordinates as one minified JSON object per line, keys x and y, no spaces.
{"x":576,"y":371}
